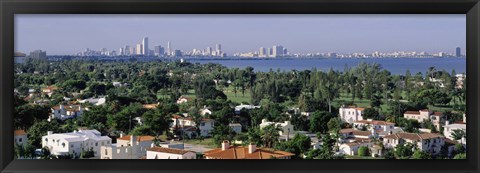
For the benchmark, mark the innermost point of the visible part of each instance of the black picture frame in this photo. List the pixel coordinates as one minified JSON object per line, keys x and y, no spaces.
{"x":8,"y":8}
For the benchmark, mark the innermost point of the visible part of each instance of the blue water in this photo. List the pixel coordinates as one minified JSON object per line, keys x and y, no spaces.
{"x":394,"y":65}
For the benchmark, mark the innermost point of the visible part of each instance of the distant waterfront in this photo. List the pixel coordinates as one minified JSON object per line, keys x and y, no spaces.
{"x":394,"y":65}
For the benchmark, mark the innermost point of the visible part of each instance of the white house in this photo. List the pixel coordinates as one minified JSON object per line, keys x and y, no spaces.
{"x":286,"y":127}
{"x":187,"y":124}
{"x":170,"y":153}
{"x":183,"y":99}
{"x":352,"y":135}
{"x":66,"y":112}
{"x":350,"y":114}
{"x":351,"y":148}
{"x":428,"y":142}
{"x":49,"y":90}
{"x":450,"y":128}
{"x":205,"y":111}
{"x":437,"y":118}
{"x":460,"y":78}
{"x":94,"y":101}
{"x":379,"y":127}
{"x":247,"y":107}
{"x":236,"y":127}
{"x":75,"y":142}
{"x":20,"y":137}
{"x":128,"y":147}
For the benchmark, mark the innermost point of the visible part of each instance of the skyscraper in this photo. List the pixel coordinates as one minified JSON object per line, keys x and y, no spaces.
{"x":127,"y":50}
{"x":209,"y":51}
{"x":145,"y":49}
{"x":38,"y":54}
{"x":277,"y":51}
{"x":219,"y":49}
{"x":139,"y":49}
{"x":269,"y":52}
{"x":262,"y":52}
{"x":169,"y":49}
{"x":132,"y":50}
{"x":157,"y":50}
{"x":458,"y":52}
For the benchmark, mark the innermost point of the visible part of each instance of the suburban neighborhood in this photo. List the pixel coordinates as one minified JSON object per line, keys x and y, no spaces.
{"x":178,"y":110}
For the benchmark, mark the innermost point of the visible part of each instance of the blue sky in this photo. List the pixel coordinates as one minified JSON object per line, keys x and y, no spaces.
{"x":69,"y":34}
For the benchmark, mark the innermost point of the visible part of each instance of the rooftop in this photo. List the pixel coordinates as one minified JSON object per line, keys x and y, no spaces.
{"x":241,"y":152}
{"x":412,"y":136}
{"x":168,"y":150}
{"x":139,"y":138}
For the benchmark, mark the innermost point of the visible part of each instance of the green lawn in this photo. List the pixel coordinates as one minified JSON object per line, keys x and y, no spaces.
{"x":206,"y":142}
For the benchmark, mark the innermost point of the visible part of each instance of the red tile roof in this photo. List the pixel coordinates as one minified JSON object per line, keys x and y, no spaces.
{"x":413,"y":112}
{"x":139,"y":138}
{"x":241,"y":152}
{"x":375,"y":122}
{"x":19,"y":132}
{"x":412,"y":136}
{"x":169,"y":150}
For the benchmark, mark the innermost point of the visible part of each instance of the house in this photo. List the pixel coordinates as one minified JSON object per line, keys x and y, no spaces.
{"x":437,"y":118}
{"x":172,"y":145}
{"x":242,"y":152}
{"x":66,"y":112}
{"x":350,"y":114}
{"x":94,"y":101}
{"x":20,"y":137}
{"x":247,"y":107}
{"x":351,"y":148}
{"x":428,"y":142}
{"x":170,"y":153}
{"x":183,"y":99}
{"x":49,"y":90}
{"x":380,"y":128}
{"x":75,"y":142}
{"x":286,"y":127}
{"x":450,"y":128}
{"x":205,"y":111}
{"x":119,"y":84}
{"x":127,"y":147}
{"x":236,"y":127}
{"x":150,"y":106}
{"x":187,"y":124}
{"x":352,"y":135}
{"x":459,"y":82}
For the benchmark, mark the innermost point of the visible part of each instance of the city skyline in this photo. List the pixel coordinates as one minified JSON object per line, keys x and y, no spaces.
{"x":242,"y":33}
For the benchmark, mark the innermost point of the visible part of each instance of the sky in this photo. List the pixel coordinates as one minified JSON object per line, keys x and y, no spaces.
{"x":61,"y":34}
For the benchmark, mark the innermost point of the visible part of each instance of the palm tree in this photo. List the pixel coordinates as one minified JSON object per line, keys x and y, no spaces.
{"x":270,"y":135}
{"x":458,"y":134}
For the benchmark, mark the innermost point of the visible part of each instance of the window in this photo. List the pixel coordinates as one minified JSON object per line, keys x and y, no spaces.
{"x":106,"y":152}
{"x":71,"y":146}
{"x":20,"y":140}
{"x":46,"y":139}
{"x":96,"y":144}
{"x":63,"y":144}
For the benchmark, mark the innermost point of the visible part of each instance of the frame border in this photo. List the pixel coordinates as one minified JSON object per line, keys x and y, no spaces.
{"x":8,"y":9}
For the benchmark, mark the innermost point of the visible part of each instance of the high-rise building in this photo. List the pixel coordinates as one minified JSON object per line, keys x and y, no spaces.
{"x":157,"y":50}
{"x":285,"y":51}
{"x":132,"y":51}
{"x":38,"y":54}
{"x":177,"y":53}
{"x":458,"y":52}
{"x":145,"y":50}
{"x":219,"y":49}
{"x":169,"y":49}
{"x":262,"y":52}
{"x":126,"y":50}
{"x":139,"y":49}
{"x":209,"y":51}
{"x":277,"y":51}
{"x":269,"y":52}
{"x":121,"y":51}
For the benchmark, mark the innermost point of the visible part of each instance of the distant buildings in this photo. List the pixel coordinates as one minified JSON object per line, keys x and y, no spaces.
{"x":249,"y":152}
{"x":38,"y":54}
{"x":188,"y":127}
{"x":286,"y":127}
{"x":145,"y":50}
{"x":458,"y":52}
{"x":75,"y":142}
{"x":66,"y":112}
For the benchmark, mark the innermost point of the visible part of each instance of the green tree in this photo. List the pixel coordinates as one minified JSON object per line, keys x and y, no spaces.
{"x":363,"y":151}
{"x":419,"y":154}
{"x":319,"y":120}
{"x":270,"y":135}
